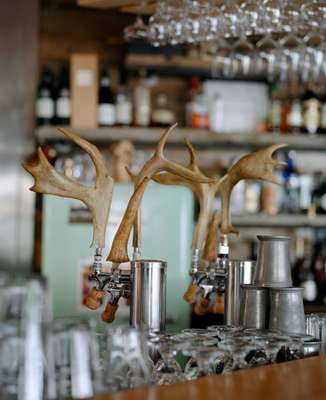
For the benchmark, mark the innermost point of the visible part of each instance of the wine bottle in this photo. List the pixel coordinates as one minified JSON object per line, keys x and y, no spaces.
{"x":106,"y":107}
{"x":63,"y":105}
{"x":45,"y":105}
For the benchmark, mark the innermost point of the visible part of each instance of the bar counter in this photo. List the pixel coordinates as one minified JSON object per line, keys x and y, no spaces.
{"x":297,"y":380}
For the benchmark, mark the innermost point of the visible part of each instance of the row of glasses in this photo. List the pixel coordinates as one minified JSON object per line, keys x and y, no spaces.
{"x":194,"y":21}
{"x":271,"y":37}
{"x":316,"y":326}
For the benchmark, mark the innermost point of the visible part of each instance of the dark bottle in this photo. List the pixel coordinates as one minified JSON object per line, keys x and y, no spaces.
{"x":319,"y":193}
{"x":302,"y":273}
{"x":291,"y":187}
{"x":63,"y":102}
{"x":106,"y":106}
{"x":45,"y":104}
{"x":322,"y":126}
{"x":319,"y":271}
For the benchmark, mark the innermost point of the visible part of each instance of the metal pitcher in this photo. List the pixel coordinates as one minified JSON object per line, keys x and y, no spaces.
{"x":286,"y":310}
{"x":239,"y":273}
{"x":273,"y":267}
{"x":253,"y":312}
{"x":148,"y":294}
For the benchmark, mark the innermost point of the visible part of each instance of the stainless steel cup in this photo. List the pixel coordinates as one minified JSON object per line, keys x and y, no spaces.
{"x":286,"y":310}
{"x":239,"y":273}
{"x":148,"y":294}
{"x":273,"y":267}
{"x":253,"y":310}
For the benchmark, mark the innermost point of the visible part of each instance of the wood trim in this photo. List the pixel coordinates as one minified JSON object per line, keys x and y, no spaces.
{"x":296,"y":380}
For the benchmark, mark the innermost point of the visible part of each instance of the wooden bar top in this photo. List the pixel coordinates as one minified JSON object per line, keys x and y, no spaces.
{"x":296,"y":380}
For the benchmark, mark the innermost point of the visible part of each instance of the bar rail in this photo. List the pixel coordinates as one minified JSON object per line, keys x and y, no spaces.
{"x":295,"y":380}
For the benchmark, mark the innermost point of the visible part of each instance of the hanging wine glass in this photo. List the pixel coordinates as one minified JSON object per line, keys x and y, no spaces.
{"x":157,"y":26}
{"x":175,"y":26}
{"x":313,"y":56}
{"x":222,"y":59}
{"x":231,"y":13}
{"x":195,"y":27}
{"x":267,"y":57}
{"x":271,"y":15}
{"x":251,"y":12}
{"x":137,"y":30}
{"x":291,"y":55}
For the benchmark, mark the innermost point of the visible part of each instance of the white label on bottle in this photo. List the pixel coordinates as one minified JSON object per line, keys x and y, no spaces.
{"x":84,"y":78}
{"x":63,"y":107}
{"x":106,"y":114}
{"x":45,"y":108}
{"x":124,"y":113}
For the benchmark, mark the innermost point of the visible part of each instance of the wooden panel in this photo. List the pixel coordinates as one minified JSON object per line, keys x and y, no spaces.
{"x":106,"y":4}
{"x":296,"y":380}
{"x":63,"y":31}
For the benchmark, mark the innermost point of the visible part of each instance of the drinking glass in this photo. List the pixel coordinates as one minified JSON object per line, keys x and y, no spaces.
{"x":224,"y":331}
{"x":313,"y":55}
{"x":22,"y":367}
{"x":316,"y":326}
{"x":231,"y":13}
{"x":128,"y":364}
{"x":73,"y":364}
{"x":158,"y":25}
{"x":204,"y":361}
{"x":267,"y":57}
{"x":137,"y":30}
{"x":166,"y":370}
{"x":244,"y":354}
{"x":251,"y":16}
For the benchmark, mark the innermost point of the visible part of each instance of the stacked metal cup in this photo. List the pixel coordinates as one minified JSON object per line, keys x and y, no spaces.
{"x":271,"y":302}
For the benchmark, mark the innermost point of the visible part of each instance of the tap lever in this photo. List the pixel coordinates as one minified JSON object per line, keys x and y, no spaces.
{"x":111,"y":308}
{"x":94,"y":299}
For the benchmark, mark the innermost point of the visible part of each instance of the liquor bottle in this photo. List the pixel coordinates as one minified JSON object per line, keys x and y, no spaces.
{"x":319,"y":193}
{"x":295,"y":119}
{"x":106,"y":106}
{"x":275,"y":114}
{"x":123,"y":103}
{"x":200,"y":112}
{"x":311,"y":113}
{"x":194,"y":88}
{"x":45,"y":98}
{"x":302,"y":273}
{"x":319,"y":271}
{"x":142,"y":101}
{"x":162,"y":114}
{"x":216,"y":114}
{"x":322,"y":127}
{"x":291,"y":186}
{"x":62,"y":104}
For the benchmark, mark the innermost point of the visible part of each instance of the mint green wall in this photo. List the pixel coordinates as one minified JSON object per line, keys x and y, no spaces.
{"x":167,"y":226}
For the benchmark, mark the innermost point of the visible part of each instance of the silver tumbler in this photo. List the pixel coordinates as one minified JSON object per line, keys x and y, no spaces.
{"x":286,"y":310}
{"x":273,"y":267}
{"x":148,"y":294}
{"x":239,"y":273}
{"x":253,"y":311}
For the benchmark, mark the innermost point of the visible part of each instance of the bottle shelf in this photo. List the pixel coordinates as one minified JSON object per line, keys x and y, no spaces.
{"x":280,"y":221}
{"x":201,"y":138}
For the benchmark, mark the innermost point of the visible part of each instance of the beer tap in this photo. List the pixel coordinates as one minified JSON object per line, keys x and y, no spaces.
{"x":118,"y":281}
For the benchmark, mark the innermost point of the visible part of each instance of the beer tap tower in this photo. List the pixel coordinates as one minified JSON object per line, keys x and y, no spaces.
{"x":144,"y":282}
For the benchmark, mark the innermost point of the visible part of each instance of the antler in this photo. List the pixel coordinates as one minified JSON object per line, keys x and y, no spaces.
{"x":210,"y":249}
{"x":122,"y":153}
{"x":96,"y":198}
{"x":258,"y":165}
{"x":157,"y":163}
{"x":205,"y":193}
